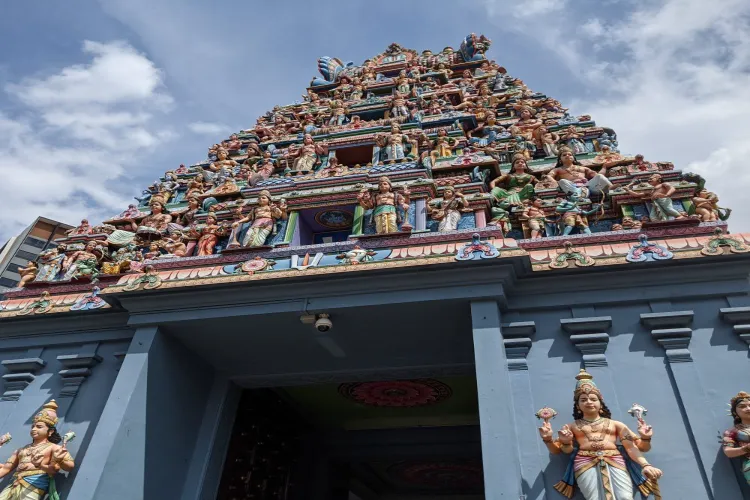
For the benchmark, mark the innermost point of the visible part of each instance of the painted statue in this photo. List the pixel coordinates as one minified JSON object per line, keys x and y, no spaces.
{"x":574,"y":140}
{"x":527,"y":124}
{"x":659,"y":194}
{"x":80,"y":263}
{"x":263,"y":216}
{"x":572,"y":216}
{"x":154,"y":224}
{"x":707,"y":208}
{"x":222,"y":167}
{"x":546,"y":141}
{"x":600,"y":468}
{"x":572,"y":177}
{"x":309,"y":155}
{"x":27,"y":273}
{"x":519,"y":184}
{"x":384,"y":205}
{"x":736,"y":441}
{"x":394,"y":144}
{"x":448,"y":210}
{"x":535,"y":218}
{"x":208,"y":235}
{"x":50,"y":264}
{"x":36,"y":464}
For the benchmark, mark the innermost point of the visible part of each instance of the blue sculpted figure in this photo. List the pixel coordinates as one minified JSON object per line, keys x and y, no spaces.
{"x":331,"y":68}
{"x":473,"y":47}
{"x":606,"y":140}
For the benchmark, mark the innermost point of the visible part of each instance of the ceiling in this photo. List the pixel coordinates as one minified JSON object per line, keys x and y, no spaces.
{"x":365,"y":343}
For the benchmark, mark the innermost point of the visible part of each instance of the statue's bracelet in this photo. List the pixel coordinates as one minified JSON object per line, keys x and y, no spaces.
{"x":645,"y":439}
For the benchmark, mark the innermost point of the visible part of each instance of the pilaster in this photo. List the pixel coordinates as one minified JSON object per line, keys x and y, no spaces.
{"x":21,"y":372}
{"x":502,"y":471}
{"x":420,"y":214}
{"x":480,"y":218}
{"x":517,"y":338}
{"x":672,"y":330}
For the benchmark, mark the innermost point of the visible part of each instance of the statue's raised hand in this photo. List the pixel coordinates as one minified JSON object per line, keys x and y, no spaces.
{"x":545,"y":431}
{"x":60,"y":453}
{"x":645,"y":430}
{"x":565,"y":435}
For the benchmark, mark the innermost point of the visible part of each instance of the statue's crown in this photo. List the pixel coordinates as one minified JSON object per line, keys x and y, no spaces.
{"x":48,"y":414}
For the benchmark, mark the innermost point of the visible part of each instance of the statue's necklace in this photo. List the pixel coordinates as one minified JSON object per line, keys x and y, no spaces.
{"x":593,"y":433}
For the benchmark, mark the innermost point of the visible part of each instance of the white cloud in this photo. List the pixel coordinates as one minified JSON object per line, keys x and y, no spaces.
{"x":205,"y":128}
{"x":81,"y":131}
{"x":674,"y":84}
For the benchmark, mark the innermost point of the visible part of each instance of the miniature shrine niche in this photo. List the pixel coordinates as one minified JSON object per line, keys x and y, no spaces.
{"x":402,"y":144}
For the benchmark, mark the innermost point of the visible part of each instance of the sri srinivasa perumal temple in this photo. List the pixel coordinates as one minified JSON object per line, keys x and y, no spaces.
{"x":371,"y":293}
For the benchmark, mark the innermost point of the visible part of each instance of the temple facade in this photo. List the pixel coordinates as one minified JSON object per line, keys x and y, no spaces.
{"x":423,"y":280}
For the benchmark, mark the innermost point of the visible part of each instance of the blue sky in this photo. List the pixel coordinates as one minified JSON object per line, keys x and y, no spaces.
{"x":99,"y":97}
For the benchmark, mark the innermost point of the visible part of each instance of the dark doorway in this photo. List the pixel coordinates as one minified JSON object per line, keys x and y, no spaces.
{"x":264,"y":450}
{"x":412,"y":439}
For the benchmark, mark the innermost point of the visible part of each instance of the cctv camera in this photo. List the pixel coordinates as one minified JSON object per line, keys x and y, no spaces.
{"x":323,"y":324}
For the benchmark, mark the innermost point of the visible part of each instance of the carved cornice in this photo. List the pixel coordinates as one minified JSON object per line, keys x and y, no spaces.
{"x":76,"y":369}
{"x":739,"y":317}
{"x":589,"y":337}
{"x":21,"y":373}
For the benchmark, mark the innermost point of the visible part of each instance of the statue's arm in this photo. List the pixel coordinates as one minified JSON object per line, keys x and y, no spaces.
{"x":10,"y":465}
{"x":732,"y":448}
{"x":627,"y":438}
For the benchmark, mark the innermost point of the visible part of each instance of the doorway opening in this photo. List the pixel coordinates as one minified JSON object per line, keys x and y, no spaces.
{"x":414,"y":439}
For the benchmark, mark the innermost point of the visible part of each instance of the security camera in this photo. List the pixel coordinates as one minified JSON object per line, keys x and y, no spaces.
{"x":323,"y":323}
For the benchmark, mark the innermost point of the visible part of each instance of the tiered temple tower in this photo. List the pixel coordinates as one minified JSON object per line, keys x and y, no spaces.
{"x":403,"y":147}
{"x":416,"y":216}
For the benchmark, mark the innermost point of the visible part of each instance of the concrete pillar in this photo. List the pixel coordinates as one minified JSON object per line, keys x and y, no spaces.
{"x":114,"y":464}
{"x":502,"y":468}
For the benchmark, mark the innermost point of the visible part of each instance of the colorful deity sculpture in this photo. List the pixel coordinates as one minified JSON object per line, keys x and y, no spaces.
{"x":223,"y":167}
{"x":572,"y":216}
{"x":659,"y":194}
{"x":598,"y":466}
{"x":572,"y":177}
{"x":448,"y":210}
{"x":263,"y":216}
{"x":27,"y":273}
{"x":156,"y":223}
{"x":309,"y":155}
{"x":394,"y":144}
{"x":519,"y":184}
{"x":36,"y":464}
{"x":535,"y":218}
{"x":208,"y":234}
{"x":83,"y":262}
{"x":736,"y":441}
{"x":50,"y":263}
{"x":383,"y":204}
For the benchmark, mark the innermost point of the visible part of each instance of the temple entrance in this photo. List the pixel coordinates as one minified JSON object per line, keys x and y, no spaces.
{"x":390,"y":440}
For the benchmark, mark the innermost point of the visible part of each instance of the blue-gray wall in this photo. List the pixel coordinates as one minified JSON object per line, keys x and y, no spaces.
{"x":158,"y":427}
